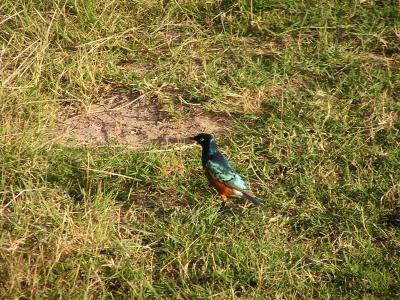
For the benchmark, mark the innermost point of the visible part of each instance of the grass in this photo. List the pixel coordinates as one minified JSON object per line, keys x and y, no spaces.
{"x":312,"y":89}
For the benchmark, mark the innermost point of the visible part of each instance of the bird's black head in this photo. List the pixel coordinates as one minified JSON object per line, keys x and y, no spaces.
{"x":203,"y":139}
{"x":208,"y":144}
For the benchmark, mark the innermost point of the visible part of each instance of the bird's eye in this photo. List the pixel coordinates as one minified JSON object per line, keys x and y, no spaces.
{"x":201,"y":140}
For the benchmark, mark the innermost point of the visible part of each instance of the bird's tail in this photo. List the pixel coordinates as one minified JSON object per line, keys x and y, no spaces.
{"x":252,"y":198}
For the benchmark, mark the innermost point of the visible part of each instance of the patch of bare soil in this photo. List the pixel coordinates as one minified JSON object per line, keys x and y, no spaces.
{"x":136,"y":120}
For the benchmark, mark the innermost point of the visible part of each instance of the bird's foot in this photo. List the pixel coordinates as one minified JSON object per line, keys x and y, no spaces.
{"x":223,"y":204}
{"x":222,"y":207}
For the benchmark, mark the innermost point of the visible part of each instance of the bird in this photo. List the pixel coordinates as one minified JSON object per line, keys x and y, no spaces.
{"x":220,"y":173}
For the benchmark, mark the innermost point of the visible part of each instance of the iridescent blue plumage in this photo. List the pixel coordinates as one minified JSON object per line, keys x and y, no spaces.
{"x":219,"y":168}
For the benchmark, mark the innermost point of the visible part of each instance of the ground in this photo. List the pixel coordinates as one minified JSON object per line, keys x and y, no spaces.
{"x":136,"y":121}
{"x":103,"y":197}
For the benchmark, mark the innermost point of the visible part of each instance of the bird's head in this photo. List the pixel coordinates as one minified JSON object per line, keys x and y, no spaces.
{"x":203,"y":139}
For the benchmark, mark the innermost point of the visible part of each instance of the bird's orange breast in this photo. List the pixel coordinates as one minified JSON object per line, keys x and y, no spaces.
{"x":219,"y":186}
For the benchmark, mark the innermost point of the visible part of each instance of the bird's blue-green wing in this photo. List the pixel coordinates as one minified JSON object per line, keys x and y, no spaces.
{"x":221,"y":170}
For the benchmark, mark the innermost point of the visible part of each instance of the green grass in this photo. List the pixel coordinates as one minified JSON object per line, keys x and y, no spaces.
{"x":312,"y":89}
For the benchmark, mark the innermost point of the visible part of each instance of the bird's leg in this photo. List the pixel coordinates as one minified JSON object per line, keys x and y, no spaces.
{"x":223,"y":204}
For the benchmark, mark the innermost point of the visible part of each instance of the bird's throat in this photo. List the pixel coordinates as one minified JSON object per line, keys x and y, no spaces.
{"x":208,"y":150}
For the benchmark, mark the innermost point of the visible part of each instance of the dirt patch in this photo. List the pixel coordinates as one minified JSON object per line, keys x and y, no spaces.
{"x":136,"y":120}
